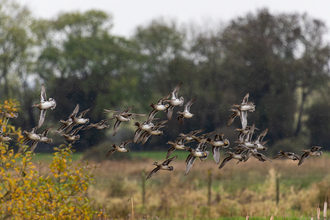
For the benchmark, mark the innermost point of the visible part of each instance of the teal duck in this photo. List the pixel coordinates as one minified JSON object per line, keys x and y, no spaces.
{"x":73,"y":136}
{"x":241,"y":111}
{"x":154,"y":131}
{"x":199,"y":152}
{"x":30,"y":136}
{"x":189,"y":137}
{"x":120,"y":148}
{"x":202,"y":137}
{"x":314,"y":151}
{"x":237,"y":155}
{"x":174,"y":101}
{"x":178,"y":144}
{"x":160,"y":106}
{"x":100,"y":125}
{"x":216,"y":143}
{"x":186,"y":113}
{"x":288,"y":155}
{"x":44,"y":105}
{"x":123,"y":116}
{"x":77,"y":120}
{"x":69,"y":121}
{"x":162,"y":166}
{"x":43,"y":138}
{"x":4,"y":137}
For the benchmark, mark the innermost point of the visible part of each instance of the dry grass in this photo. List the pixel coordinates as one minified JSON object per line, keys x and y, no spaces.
{"x":237,"y":189}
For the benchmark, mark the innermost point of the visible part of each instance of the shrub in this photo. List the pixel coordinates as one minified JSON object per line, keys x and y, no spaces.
{"x":26,"y":194}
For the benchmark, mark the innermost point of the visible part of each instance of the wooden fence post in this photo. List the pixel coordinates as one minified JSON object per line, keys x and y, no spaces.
{"x":143,"y":177}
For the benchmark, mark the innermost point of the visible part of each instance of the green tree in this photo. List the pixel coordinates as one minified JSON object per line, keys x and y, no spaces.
{"x":15,"y":46}
{"x":313,"y":64}
{"x":81,"y":62}
{"x":262,"y":56}
{"x":16,"y":56}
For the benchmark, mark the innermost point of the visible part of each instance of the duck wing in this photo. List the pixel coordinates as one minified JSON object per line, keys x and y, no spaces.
{"x":168,"y":161}
{"x":315,"y":148}
{"x":180,"y":119}
{"x":34,"y":145}
{"x":216,"y":154}
{"x":42,"y":115}
{"x":153,"y":172}
{"x":225,"y":161}
{"x":75,"y":111}
{"x":176,"y":90}
{"x":115,"y":127}
{"x":111,"y":152}
{"x":188,"y":105}
{"x":303,"y":158}
{"x":43,"y":96}
{"x":190,"y":163}
{"x":277,"y":156}
{"x":245,"y":99}
{"x":170,"y":151}
{"x":243,"y":116}
{"x":169,"y":112}
{"x":45,"y":132}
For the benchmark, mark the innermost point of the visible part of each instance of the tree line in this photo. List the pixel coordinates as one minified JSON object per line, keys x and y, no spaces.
{"x":281,"y":59}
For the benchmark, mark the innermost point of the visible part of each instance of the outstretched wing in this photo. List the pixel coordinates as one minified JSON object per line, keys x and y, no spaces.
{"x":83,"y":113}
{"x":160,"y":101}
{"x":189,"y":164}
{"x":180,"y":119}
{"x":75,"y":131}
{"x":277,"y":156}
{"x":169,"y":112}
{"x":153,"y":172}
{"x":188,"y":104}
{"x":34,"y":145}
{"x":245,"y":99}
{"x":168,"y":161}
{"x":303,"y":158}
{"x":243,"y":116}
{"x":110,"y":152}
{"x":126,"y":142}
{"x":75,"y":111}
{"x":115,"y":127}
{"x":226,"y":160}
{"x":261,"y":136}
{"x":127,"y":110}
{"x":43,"y":96}
{"x":170,"y":151}
{"x":176,"y":90}
{"x":315,"y":148}
{"x":42,"y":115}
{"x":216,"y":154}
{"x":45,"y":132}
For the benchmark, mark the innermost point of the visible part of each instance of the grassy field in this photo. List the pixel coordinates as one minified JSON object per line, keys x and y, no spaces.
{"x":47,"y":157}
{"x":237,"y":190}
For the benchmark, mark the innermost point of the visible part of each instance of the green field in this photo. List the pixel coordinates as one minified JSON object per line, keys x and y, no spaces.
{"x":47,"y":157}
{"x":236,"y":190}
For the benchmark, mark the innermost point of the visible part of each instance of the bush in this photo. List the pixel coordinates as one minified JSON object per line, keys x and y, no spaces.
{"x":26,"y":194}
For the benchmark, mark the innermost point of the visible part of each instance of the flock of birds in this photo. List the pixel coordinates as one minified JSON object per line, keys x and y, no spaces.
{"x":245,"y":149}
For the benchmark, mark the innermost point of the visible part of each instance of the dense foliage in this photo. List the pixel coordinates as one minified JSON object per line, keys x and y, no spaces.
{"x":282,"y":60}
{"x":27,"y":193}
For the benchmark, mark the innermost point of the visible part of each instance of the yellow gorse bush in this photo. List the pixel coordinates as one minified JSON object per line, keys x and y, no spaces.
{"x":26,"y":194}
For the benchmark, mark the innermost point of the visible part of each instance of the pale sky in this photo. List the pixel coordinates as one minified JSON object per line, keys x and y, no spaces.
{"x":128,"y":14}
